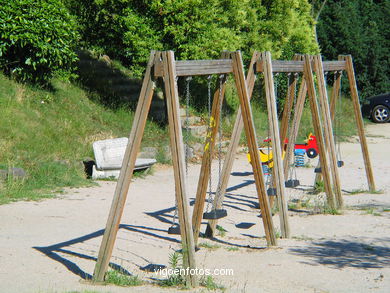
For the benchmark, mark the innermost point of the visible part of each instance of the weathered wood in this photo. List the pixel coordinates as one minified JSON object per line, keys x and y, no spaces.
{"x":253,"y":148}
{"x":177,"y":150}
{"x":206,"y":159}
{"x":297,"y":66}
{"x":231,"y":152}
{"x":289,"y":103}
{"x":335,"y":94}
{"x":308,"y":74}
{"x":278,"y":174}
{"x":359,"y":120}
{"x":126,"y":173}
{"x":198,"y":67}
{"x":292,"y":137}
{"x":328,"y":129}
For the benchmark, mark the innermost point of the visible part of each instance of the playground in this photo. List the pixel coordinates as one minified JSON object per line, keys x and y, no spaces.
{"x":52,"y":245}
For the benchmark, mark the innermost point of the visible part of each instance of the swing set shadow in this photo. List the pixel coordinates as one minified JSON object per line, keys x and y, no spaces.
{"x":54,"y":251}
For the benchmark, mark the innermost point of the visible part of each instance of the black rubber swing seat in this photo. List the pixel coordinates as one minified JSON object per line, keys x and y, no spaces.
{"x":340,"y":164}
{"x":271,"y":191}
{"x":215,"y":214}
{"x":291,"y":183}
{"x":174,"y":230}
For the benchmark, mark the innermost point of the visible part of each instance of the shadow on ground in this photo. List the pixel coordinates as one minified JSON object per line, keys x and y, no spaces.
{"x":347,"y":253}
{"x":59,"y":251}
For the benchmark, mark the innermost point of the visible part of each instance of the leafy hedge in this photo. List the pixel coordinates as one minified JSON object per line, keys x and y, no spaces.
{"x":194,"y":29}
{"x":37,"y":39}
{"x":360,"y":28}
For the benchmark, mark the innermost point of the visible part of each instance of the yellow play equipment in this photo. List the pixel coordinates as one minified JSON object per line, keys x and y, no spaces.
{"x":266,"y":158}
{"x":266,"y":155}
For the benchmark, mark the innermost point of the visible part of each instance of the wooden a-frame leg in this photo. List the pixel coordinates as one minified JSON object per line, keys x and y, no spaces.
{"x":206,"y":159}
{"x":308,"y":74}
{"x":328,"y":129}
{"x":292,"y":137}
{"x":253,"y":148}
{"x":231,"y":152}
{"x":335,"y":95}
{"x":276,"y":144}
{"x":359,"y":120}
{"x":177,"y":150}
{"x":126,"y":173}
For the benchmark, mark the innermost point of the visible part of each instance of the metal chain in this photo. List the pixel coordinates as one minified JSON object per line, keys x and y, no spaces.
{"x":187,"y":121}
{"x":209,"y":199}
{"x":220,"y":137}
{"x":175,"y":214}
{"x":338,"y":121}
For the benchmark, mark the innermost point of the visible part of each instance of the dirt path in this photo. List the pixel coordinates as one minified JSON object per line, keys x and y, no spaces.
{"x":49,"y":246}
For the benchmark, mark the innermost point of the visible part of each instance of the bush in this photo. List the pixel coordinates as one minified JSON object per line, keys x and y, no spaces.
{"x":360,"y":28}
{"x":37,"y":39}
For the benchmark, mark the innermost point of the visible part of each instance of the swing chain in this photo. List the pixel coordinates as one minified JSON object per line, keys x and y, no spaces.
{"x":220,"y":137}
{"x":209,"y":198}
{"x":175,"y":214}
{"x":187,"y":121}
{"x":338,"y":121}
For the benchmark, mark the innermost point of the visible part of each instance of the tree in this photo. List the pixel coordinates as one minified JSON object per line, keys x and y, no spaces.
{"x":359,"y":28}
{"x":194,"y":29}
{"x":37,"y":39}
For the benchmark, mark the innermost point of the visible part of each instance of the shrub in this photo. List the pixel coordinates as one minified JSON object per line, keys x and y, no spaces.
{"x":37,"y":39}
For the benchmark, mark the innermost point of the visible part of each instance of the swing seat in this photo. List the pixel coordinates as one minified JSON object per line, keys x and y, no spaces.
{"x":340,"y":164}
{"x":174,"y":230}
{"x":291,"y":183}
{"x":215,"y":214}
{"x":317,"y":170}
{"x":271,"y":191}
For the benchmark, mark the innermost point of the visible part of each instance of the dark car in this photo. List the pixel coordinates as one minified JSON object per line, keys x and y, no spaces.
{"x":377,"y":108}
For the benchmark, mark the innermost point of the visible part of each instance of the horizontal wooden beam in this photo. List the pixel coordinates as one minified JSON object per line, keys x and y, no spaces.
{"x":198,"y":67}
{"x":297,"y":66}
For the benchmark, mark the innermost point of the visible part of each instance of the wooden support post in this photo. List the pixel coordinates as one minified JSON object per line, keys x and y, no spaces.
{"x":206,"y":159}
{"x":126,"y":173}
{"x":335,"y":94}
{"x":276,"y":144}
{"x":253,"y":147}
{"x":133,"y":146}
{"x":292,"y":137}
{"x":231,"y":152}
{"x":308,"y":74}
{"x":359,"y":120}
{"x":177,"y":150}
{"x":328,"y":129}
{"x":289,"y":103}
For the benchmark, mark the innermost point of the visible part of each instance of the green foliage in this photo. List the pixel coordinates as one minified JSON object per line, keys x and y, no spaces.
{"x":174,"y":280}
{"x":209,"y":283}
{"x":120,"y":279}
{"x":37,"y":39}
{"x":360,"y":28}
{"x":194,"y":29}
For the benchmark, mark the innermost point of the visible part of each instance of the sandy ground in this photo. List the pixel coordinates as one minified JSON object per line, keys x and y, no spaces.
{"x":50,"y":246}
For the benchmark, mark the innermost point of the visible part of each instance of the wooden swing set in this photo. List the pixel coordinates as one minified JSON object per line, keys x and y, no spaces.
{"x":162,"y":64}
{"x":322,"y":111}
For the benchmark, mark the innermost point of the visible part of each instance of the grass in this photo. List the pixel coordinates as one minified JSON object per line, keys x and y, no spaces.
{"x":209,"y":283}
{"x":50,"y":133}
{"x":232,"y":248}
{"x":177,"y":280}
{"x":120,"y":279}
{"x":209,"y":246}
{"x":221,"y":231}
